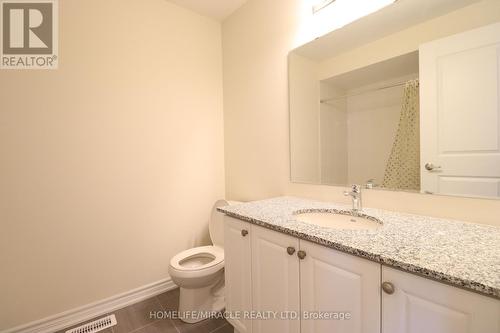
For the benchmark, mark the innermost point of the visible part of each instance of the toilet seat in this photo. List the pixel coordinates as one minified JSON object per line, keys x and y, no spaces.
{"x":198,"y":259}
{"x":199,"y":272}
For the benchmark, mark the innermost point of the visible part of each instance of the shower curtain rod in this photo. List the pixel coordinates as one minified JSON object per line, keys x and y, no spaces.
{"x":325,"y":101}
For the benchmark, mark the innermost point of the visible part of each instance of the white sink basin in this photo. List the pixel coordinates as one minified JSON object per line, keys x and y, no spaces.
{"x":337,"y":220}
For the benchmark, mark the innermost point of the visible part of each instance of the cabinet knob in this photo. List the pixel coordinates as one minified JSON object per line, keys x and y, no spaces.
{"x":388,"y":288}
{"x":290,"y":250}
{"x":301,"y":254}
{"x":244,"y":232}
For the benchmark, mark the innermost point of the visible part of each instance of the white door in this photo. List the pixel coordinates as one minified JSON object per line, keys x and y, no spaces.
{"x":334,"y":282}
{"x":275,"y":281}
{"x":460,"y":113}
{"x":421,"y":305}
{"x":238,"y":274}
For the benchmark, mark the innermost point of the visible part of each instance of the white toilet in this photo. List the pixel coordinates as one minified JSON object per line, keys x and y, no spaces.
{"x":199,"y":272}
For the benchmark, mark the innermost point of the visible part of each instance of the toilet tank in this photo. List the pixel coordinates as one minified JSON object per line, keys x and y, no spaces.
{"x":216,"y":222}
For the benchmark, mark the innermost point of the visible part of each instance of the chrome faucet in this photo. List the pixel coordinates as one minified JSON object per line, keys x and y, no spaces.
{"x":356,"y":198}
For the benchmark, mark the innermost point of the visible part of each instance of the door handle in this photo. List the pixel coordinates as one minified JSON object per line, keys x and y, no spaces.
{"x":244,"y":232}
{"x":431,"y":167}
{"x":290,"y":250}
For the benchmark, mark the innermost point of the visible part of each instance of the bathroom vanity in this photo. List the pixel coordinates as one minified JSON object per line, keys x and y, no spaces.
{"x":409,"y":274}
{"x":423,"y":118}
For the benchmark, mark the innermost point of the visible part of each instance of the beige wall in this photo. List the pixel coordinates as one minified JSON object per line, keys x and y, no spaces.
{"x":256,"y":41}
{"x":304,"y":119}
{"x":109,"y":165}
{"x":333,"y":136}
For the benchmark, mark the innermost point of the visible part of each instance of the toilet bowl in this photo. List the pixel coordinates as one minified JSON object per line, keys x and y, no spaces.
{"x":199,"y":272}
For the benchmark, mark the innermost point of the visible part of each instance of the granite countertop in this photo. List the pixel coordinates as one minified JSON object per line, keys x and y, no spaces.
{"x":461,"y":254}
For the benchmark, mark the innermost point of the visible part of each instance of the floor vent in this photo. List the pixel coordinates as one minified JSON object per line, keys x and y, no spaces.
{"x":95,"y":326}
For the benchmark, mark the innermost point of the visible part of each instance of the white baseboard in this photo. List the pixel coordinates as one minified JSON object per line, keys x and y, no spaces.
{"x":75,"y":316}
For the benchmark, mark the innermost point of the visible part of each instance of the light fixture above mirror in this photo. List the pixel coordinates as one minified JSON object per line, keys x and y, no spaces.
{"x":358,"y":8}
{"x":321,"y":4}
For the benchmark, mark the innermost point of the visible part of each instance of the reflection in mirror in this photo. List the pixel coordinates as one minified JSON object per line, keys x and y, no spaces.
{"x":366,"y":127}
{"x":425,"y":121}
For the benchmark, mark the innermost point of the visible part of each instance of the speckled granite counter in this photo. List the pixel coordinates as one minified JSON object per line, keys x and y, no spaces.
{"x":462,"y":254}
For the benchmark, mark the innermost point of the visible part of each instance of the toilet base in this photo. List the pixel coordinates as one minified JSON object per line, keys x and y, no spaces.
{"x":199,"y":304}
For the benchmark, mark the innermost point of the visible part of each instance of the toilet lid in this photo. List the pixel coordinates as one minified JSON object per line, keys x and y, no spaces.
{"x":216,"y":224}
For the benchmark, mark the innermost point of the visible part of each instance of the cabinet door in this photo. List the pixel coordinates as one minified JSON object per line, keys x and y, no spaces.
{"x":334,"y":282}
{"x":422,"y":305}
{"x":460,"y":113}
{"x":237,"y":260}
{"x":275,"y":280}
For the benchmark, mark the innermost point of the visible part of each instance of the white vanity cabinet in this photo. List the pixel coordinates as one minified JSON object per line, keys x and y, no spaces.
{"x":269,"y":273}
{"x":422,"y":305}
{"x":237,"y":267}
{"x":332,"y":281}
{"x":290,"y":277}
{"x":275,"y":279}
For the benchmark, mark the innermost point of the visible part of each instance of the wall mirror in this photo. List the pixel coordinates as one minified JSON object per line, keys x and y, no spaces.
{"x":424,"y":119}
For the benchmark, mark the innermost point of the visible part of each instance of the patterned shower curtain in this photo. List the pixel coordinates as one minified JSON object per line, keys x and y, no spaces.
{"x":403,"y":167}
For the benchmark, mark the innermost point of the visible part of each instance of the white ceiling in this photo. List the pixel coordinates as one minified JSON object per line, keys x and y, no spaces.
{"x":216,"y":9}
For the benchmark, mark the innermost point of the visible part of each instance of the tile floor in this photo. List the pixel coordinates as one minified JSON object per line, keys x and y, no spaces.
{"x":135,"y":318}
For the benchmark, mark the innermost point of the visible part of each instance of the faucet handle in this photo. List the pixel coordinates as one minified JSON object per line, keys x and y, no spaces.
{"x":356,"y":188}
